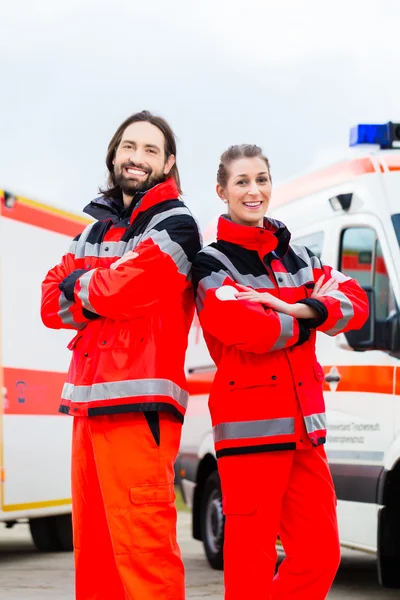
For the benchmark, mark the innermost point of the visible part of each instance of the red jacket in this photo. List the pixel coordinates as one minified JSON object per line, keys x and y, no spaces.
{"x":132,"y":321}
{"x":267,"y":392}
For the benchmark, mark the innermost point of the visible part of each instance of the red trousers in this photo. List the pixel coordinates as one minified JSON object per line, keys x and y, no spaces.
{"x":124,"y":515}
{"x":288,"y":493}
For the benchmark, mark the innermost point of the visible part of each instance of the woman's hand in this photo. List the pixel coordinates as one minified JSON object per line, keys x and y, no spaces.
{"x":128,"y":256}
{"x":320,"y":288}
{"x":262,"y":298}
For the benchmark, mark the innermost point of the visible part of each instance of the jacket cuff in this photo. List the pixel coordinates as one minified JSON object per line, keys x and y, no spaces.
{"x":304,"y":332}
{"x":67,"y":285}
{"x":321,"y":310}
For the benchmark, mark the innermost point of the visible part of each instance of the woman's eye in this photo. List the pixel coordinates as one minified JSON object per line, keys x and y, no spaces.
{"x":241,"y":182}
{"x":263,"y":180}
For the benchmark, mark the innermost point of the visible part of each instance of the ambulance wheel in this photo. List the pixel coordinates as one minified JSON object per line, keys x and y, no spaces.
{"x":213,"y":521}
{"x":52,"y":534}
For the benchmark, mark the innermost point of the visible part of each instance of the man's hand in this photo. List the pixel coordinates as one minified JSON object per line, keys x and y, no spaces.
{"x":128,"y":256}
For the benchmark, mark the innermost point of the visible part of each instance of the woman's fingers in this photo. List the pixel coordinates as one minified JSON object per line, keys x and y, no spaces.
{"x":244,"y":287}
{"x":329,"y":286}
{"x":318,"y":284}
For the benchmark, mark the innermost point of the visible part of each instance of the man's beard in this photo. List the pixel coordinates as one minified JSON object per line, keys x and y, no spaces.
{"x":130,"y":187}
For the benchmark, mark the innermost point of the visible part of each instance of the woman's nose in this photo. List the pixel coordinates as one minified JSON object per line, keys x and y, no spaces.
{"x":253,"y":190}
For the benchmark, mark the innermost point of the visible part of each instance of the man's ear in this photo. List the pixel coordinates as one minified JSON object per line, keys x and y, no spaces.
{"x":169,"y":164}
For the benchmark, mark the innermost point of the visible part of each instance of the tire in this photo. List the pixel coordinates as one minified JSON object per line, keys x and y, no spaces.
{"x":213,"y":521}
{"x":63,"y":529}
{"x":389,"y":548}
{"x":52,"y":534}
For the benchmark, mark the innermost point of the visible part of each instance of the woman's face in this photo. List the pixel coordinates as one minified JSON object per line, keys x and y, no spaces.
{"x":247,"y":191}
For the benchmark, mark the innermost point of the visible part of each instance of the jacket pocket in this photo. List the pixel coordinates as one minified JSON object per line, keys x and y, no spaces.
{"x":122,"y":334}
{"x":73,"y":343}
{"x":319,"y":372}
{"x":152,"y":493}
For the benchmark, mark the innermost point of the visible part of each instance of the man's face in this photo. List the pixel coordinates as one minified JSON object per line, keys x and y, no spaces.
{"x":139,"y":161}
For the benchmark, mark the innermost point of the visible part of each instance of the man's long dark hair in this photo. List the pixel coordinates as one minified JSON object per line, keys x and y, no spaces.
{"x":113,"y":190}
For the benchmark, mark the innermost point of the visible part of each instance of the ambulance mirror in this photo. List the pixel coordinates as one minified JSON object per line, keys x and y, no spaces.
{"x":364,"y":338}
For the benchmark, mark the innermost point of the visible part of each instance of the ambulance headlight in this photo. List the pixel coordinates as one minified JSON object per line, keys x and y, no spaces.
{"x":341,"y":201}
{"x":381,"y":135}
{"x":9,"y":200}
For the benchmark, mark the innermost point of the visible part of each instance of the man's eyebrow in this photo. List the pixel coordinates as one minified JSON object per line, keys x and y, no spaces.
{"x":146,"y":145}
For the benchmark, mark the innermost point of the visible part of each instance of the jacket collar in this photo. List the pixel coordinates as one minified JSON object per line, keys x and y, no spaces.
{"x":274,"y":236}
{"x":102,"y":208}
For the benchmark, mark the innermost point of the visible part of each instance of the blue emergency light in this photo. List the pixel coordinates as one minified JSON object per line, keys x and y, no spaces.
{"x":382,"y":135}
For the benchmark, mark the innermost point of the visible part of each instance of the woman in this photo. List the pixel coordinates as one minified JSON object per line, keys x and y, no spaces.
{"x":260,"y":302}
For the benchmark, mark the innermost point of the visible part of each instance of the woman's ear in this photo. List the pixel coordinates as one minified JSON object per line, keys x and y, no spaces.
{"x":221,"y":193}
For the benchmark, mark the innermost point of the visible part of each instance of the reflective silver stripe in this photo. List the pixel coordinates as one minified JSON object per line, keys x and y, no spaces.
{"x":125,"y":389}
{"x":83,"y":293}
{"x":111,"y":249}
{"x":253,"y":429}
{"x":301,"y":251}
{"x":65,"y":314}
{"x":347,"y":310}
{"x":173,"y":249}
{"x":300,"y":278}
{"x":287,"y":331}
{"x":315,"y":422}
{"x":173,"y":212}
{"x":215,"y":280}
{"x":81,"y":243}
{"x":256,"y":282}
{"x":73,"y":247}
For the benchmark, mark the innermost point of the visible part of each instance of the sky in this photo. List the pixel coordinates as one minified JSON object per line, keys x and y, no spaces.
{"x":289,"y":75}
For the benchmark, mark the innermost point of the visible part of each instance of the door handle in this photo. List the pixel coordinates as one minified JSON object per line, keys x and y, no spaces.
{"x":332,"y":378}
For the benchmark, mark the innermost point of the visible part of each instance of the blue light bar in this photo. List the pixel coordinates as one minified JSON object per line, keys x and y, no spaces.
{"x":382,"y":135}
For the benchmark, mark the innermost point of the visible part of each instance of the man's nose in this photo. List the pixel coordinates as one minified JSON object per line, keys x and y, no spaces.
{"x":137,"y":156}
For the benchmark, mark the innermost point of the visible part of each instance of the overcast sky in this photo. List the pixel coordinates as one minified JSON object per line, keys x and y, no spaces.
{"x":289,"y":75}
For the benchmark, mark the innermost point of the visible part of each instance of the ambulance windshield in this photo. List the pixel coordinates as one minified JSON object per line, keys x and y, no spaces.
{"x":396,"y":225}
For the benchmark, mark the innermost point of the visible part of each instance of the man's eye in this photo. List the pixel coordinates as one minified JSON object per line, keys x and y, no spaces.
{"x":151,"y":150}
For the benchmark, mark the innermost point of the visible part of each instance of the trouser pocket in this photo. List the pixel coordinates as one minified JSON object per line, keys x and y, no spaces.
{"x":153,"y":421}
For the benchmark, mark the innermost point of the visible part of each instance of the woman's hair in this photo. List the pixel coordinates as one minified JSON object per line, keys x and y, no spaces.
{"x":235,"y":152}
{"x":113,"y":190}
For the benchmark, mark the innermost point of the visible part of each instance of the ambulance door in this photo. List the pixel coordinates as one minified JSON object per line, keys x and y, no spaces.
{"x":359,"y":387}
{"x":2,"y":388}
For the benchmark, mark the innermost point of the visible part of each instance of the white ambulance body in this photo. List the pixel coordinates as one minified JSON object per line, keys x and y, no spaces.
{"x":349,"y":215}
{"x":35,"y":439}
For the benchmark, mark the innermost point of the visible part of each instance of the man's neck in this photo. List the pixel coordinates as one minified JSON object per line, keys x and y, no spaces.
{"x":127,"y":200}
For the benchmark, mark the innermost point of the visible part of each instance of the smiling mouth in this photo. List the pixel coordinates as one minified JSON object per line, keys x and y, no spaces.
{"x":253,"y":205}
{"x":135,"y":172}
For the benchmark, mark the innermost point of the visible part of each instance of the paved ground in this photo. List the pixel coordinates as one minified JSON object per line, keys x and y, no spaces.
{"x":28,"y":575}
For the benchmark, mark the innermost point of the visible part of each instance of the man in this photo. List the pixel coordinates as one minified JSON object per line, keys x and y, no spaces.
{"x":125,"y":286}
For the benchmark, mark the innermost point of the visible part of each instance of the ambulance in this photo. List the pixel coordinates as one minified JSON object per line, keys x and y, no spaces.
{"x":35,"y":439}
{"x":348,"y":214}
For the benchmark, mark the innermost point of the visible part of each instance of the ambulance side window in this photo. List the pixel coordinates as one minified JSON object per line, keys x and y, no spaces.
{"x":313,"y":242}
{"x":362,"y":259}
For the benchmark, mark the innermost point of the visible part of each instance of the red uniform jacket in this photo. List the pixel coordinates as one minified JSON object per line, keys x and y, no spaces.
{"x":267,"y":392}
{"x":132,"y":321}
